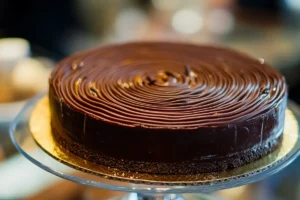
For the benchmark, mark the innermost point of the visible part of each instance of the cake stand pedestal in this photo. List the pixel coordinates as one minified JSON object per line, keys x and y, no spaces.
{"x":33,"y":139}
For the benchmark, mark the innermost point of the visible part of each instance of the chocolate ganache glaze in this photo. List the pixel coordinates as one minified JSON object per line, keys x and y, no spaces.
{"x":167,"y":108}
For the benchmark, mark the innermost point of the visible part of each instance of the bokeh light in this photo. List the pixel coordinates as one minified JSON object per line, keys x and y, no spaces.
{"x":166,"y":4}
{"x":293,"y":4}
{"x":187,"y":21}
{"x":220,"y":21}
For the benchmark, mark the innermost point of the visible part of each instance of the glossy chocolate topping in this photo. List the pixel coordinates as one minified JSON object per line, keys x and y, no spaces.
{"x":167,"y":85}
{"x":166,"y":107}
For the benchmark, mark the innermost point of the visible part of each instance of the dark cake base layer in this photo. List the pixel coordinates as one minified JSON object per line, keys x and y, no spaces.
{"x":172,"y":168}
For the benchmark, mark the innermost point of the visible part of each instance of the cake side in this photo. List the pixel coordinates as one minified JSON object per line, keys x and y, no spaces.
{"x":163,"y":152}
{"x":187,"y":167}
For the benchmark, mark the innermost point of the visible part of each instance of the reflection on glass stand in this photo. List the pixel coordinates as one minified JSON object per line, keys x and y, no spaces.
{"x":143,"y":188}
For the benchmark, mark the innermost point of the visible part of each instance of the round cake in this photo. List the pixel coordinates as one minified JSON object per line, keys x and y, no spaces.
{"x":167,"y":108}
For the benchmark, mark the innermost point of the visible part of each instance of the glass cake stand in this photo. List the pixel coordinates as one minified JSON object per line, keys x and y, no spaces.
{"x":31,"y":134}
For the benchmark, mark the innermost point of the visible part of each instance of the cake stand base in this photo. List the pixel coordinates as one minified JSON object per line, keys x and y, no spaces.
{"x":91,"y":193}
{"x":136,"y":196}
{"x":96,"y":194}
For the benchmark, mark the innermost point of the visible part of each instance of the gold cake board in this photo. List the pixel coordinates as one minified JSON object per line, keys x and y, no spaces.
{"x":41,"y":130}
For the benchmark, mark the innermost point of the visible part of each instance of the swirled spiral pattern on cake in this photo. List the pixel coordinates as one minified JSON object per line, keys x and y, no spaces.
{"x":166,"y":85}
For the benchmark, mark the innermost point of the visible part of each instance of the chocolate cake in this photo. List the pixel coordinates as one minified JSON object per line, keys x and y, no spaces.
{"x":167,"y":108}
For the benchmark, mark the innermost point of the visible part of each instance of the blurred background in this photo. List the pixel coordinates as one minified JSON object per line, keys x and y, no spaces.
{"x":34,"y":35}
